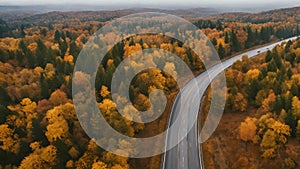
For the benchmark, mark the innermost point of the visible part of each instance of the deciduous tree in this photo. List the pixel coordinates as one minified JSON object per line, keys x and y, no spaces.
{"x":248,"y":130}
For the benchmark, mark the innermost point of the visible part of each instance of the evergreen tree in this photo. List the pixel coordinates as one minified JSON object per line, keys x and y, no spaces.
{"x":74,"y":50}
{"x":252,"y":89}
{"x":265,"y":34}
{"x":63,"y":36}
{"x":227,"y":37}
{"x":235,"y":44}
{"x":4,"y":29}
{"x":288,"y":102}
{"x":289,"y":73}
{"x":221,"y":51}
{"x":287,"y":46}
{"x":131,"y":42}
{"x":268,"y":57}
{"x":277,"y":87}
{"x":56,"y":36}
{"x":272,"y":66}
{"x":45,"y":93}
{"x":43,"y":32}
{"x":277,"y":58}
{"x":4,"y":97}
{"x":294,"y":89}
{"x":4,"y":112}
{"x":62,"y":153}
{"x":256,"y":37}
{"x":289,"y":120}
{"x":42,"y":55}
{"x":219,"y":25}
{"x":250,"y":38}
{"x":63,"y":46}
{"x":22,"y":33}
{"x":214,"y":41}
{"x":37,"y":133}
{"x":291,"y":58}
{"x":278,"y":105}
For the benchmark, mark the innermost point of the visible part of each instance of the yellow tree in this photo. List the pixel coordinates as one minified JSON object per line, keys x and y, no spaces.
{"x":260,"y":97}
{"x":99,"y":165}
{"x":26,"y":112}
{"x":89,"y":157}
{"x":282,"y":115}
{"x":114,"y":160}
{"x":49,"y":71}
{"x":58,"y":127}
{"x":248,"y":130}
{"x":268,"y":144}
{"x":281,"y":130}
{"x":128,"y":50}
{"x":9,"y":140}
{"x":172,"y":78}
{"x":151,"y":77}
{"x":296,"y":107}
{"x":239,"y":102}
{"x":251,"y":74}
{"x":104,"y":92}
{"x":121,"y":124}
{"x":40,"y":158}
{"x":170,"y":67}
{"x":268,"y":103}
{"x":85,"y":162}
{"x":274,"y":135}
{"x":141,"y":102}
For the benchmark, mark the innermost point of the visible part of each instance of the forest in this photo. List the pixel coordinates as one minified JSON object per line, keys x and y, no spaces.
{"x":262,"y":102}
{"x":39,"y":127}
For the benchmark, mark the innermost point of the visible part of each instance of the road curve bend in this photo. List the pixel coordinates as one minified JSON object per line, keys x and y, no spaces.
{"x":188,"y":154}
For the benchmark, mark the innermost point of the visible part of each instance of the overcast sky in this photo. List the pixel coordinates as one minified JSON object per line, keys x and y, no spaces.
{"x":157,"y":3}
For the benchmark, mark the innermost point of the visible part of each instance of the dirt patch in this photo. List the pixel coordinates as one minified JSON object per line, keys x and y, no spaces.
{"x":224,"y":149}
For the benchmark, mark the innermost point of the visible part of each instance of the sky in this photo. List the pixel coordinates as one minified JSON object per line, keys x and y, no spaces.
{"x":161,"y":3}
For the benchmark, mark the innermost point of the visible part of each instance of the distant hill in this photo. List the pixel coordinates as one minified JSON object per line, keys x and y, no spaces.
{"x":36,"y":13}
{"x":262,"y":17}
{"x":34,"y":16}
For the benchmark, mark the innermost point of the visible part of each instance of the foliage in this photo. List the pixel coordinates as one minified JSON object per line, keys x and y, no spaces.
{"x":38,"y":54}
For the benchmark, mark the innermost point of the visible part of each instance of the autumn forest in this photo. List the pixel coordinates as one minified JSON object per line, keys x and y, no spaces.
{"x":39,"y":128}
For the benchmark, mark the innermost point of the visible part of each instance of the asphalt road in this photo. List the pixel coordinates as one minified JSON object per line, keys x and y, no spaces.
{"x":187,"y":154}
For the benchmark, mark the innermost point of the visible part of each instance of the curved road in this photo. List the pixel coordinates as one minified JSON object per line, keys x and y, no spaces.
{"x":187,"y":154}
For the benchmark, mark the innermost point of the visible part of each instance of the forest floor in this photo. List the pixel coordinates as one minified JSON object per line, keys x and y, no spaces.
{"x":151,"y":129}
{"x":224,"y":149}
